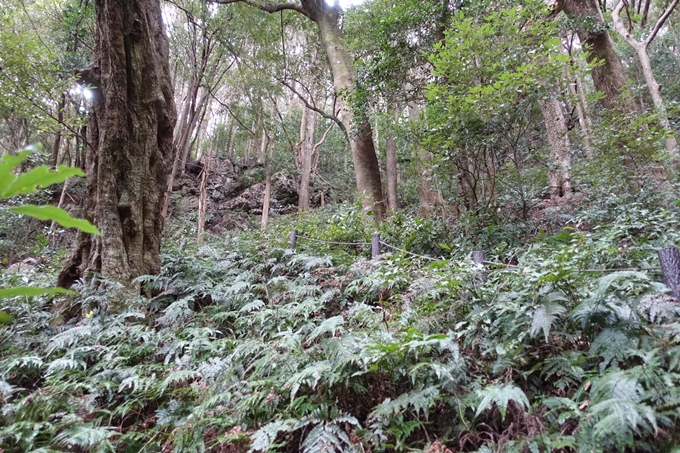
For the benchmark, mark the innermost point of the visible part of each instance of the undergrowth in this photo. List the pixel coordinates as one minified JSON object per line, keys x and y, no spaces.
{"x":254,"y":347}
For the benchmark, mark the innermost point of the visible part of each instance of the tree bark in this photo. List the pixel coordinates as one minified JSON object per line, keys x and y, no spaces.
{"x":609,"y":77}
{"x":306,"y":152}
{"x":429,"y":198}
{"x":391,"y":173}
{"x":559,"y":174}
{"x":131,"y":129}
{"x":357,"y":126}
{"x":654,"y":87}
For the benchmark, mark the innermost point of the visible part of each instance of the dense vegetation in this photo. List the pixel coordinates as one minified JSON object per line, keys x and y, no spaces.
{"x":253,"y":346}
{"x":536,"y":133}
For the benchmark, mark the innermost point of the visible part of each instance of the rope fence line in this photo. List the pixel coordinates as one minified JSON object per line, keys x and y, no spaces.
{"x":669,"y":258}
{"x":618,"y":269}
{"x":409,"y":253}
{"x":306,"y":238}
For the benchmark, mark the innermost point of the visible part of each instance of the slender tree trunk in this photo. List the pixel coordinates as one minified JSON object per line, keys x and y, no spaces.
{"x":559,"y":174}
{"x":429,"y":198}
{"x":307,"y":149}
{"x":131,"y":129}
{"x":268,"y":181}
{"x":391,"y":173}
{"x":80,"y":147}
{"x":203,"y":196}
{"x":303,"y":131}
{"x":609,"y":77}
{"x":358,"y":129}
{"x":57,"y":139}
{"x":654,"y":87}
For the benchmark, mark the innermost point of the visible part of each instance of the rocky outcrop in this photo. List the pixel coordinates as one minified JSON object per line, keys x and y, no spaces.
{"x":232,"y":197}
{"x":284,"y":196}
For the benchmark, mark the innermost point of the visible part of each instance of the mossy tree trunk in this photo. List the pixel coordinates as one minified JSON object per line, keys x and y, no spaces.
{"x":131,"y":129}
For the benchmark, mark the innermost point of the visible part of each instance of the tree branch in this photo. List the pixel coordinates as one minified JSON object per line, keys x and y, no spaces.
{"x":621,"y":29}
{"x":283,"y":124}
{"x":233,"y":115}
{"x":267,"y":7}
{"x":313,"y":107}
{"x":659,"y":23}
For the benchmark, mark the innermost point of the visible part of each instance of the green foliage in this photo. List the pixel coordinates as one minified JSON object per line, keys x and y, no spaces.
{"x":12,"y":185}
{"x":262,"y":348}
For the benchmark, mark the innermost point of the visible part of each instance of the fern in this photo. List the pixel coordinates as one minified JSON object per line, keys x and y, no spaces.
{"x":263,"y":439}
{"x":501,"y":396}
{"x":613,"y":345}
{"x":543,"y":318}
{"x":309,"y":376}
{"x":416,"y":400}
{"x":326,"y":437}
{"x":85,"y":436}
{"x":331,"y":325}
{"x":65,"y":364}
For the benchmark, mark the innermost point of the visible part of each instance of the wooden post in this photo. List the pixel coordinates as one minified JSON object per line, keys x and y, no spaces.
{"x":478,"y":256}
{"x":670,"y":266}
{"x":375,"y":246}
{"x":293,"y":239}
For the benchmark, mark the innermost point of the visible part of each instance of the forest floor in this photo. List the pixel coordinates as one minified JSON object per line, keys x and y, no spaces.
{"x":566,"y":340}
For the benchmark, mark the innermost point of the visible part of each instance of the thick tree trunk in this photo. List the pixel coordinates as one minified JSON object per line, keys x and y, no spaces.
{"x":559,"y":174}
{"x":131,"y":128}
{"x":360,"y":134}
{"x":610,"y":76}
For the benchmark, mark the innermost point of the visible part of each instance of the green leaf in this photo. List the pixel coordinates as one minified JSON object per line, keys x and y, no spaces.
{"x":58,"y":215}
{"x":39,"y":177}
{"x":31,"y":291}
{"x":545,"y":315}
{"x":5,"y":318}
{"x":7,"y":164}
{"x":501,"y":396}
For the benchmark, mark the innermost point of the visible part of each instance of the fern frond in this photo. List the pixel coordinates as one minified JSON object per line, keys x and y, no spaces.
{"x":543,"y":318}
{"x":501,"y":396}
{"x":309,"y":376}
{"x":264,"y":438}
{"x":65,"y":363}
{"x":613,"y":345}
{"x":84,"y":436}
{"x":330,"y":325}
{"x":326,"y":438}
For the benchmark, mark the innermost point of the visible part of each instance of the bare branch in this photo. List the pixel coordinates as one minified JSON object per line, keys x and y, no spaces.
{"x":233,"y":115}
{"x":659,"y":23}
{"x":621,"y":29}
{"x":323,"y":139}
{"x":267,"y":7}
{"x":314,"y":108}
